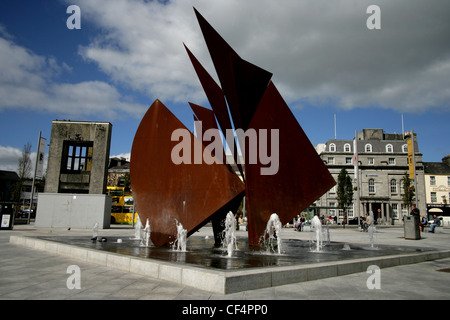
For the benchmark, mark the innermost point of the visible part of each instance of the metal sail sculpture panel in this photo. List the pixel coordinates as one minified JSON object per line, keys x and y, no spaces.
{"x":254,"y":103}
{"x":292,"y":184}
{"x":166,"y":192}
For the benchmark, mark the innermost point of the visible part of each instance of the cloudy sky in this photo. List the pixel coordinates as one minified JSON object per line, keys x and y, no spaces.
{"x":128,"y":53}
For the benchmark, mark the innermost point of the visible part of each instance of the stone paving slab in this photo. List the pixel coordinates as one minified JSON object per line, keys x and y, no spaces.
{"x":36,"y":274}
{"x":223,"y":282}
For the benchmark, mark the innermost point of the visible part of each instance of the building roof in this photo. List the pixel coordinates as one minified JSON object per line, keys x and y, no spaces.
{"x":8,"y":175}
{"x":377,"y":138}
{"x":378,"y":146}
{"x":436,"y":168}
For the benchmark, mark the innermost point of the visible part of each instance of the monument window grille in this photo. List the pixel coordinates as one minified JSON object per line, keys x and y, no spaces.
{"x":77,"y":157}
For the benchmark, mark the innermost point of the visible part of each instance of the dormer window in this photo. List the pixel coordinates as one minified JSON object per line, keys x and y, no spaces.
{"x":332,"y":147}
{"x":347,"y":147}
{"x":389,"y":148}
{"x":405,"y":148}
{"x":368,"y":148}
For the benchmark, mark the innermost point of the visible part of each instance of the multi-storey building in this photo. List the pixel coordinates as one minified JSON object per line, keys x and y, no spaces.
{"x":437,"y":187}
{"x":382,"y":165}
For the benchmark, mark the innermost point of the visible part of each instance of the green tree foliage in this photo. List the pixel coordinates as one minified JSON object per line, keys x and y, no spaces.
{"x":344,"y":192}
{"x":409,"y":192}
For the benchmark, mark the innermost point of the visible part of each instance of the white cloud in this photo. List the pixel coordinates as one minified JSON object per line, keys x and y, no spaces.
{"x":319,"y":51}
{"x":27,"y":82}
{"x":126,"y":155}
{"x":9,"y":158}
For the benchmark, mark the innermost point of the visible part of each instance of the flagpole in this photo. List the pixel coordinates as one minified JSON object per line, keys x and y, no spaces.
{"x":356,"y":169}
{"x":34,"y":177}
{"x":335,"y":136}
{"x":414,"y":166}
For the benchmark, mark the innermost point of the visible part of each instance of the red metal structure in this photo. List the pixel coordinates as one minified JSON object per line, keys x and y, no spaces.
{"x":194,"y":194}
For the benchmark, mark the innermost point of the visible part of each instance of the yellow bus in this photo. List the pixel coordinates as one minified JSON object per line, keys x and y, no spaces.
{"x":122,"y":206}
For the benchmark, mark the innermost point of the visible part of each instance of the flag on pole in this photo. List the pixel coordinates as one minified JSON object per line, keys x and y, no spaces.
{"x":40,"y":158}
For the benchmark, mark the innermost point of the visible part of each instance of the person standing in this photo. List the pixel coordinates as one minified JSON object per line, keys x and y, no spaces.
{"x":415,"y":212}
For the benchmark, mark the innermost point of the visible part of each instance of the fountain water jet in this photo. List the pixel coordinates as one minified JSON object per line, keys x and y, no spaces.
{"x":180,"y":242}
{"x":273,"y":231}
{"x":317,"y":226}
{"x":229,"y":234}
{"x":95,"y":231}
{"x":146,"y":238}
{"x":137,"y":229}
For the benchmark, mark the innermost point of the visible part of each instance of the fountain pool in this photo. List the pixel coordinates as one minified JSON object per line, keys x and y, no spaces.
{"x":200,"y":251}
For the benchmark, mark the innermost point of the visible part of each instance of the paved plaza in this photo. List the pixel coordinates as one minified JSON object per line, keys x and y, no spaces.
{"x":31,"y":274}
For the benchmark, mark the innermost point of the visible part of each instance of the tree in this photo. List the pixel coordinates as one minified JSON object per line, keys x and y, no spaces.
{"x":409,"y":192}
{"x":344,"y":192}
{"x":23,"y":171}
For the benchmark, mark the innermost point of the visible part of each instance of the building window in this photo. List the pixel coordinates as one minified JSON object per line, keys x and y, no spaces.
{"x":389,"y":148}
{"x":391,"y":161}
{"x":368,"y":147}
{"x":393,"y":186}
{"x":395,"y":211}
{"x":332,"y":147}
{"x":350,"y":213}
{"x":371,"y":161}
{"x":401,"y":187}
{"x":371,"y":186}
{"x":432,"y":180}
{"x":332,"y":211}
{"x":330,"y":160}
{"x":448,"y":181}
{"x":347,"y":147}
{"x":433,"y":197}
{"x":404,"y":210}
{"x":405,"y":148}
{"x":333,"y":189}
{"x":348,"y":160}
{"x":77,"y":156}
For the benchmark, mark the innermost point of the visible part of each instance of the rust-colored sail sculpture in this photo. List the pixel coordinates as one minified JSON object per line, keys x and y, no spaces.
{"x":301,"y":177}
{"x":194,"y":194}
{"x":165,"y":192}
